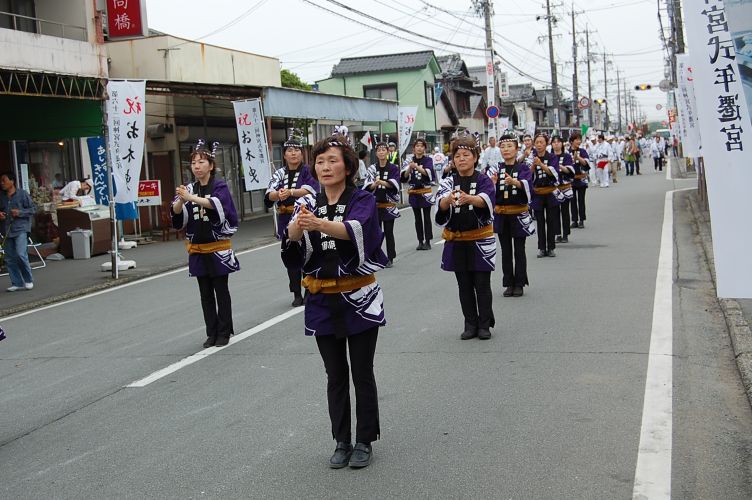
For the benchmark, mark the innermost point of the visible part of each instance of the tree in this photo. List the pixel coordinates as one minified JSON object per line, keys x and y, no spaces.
{"x":292,"y":81}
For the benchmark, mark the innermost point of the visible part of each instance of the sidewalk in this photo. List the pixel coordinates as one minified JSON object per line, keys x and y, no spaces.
{"x":70,"y":278}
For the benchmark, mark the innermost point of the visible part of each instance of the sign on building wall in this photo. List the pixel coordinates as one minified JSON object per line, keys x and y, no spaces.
{"x":149,"y":193}
{"x":126,"y":18}
{"x":503,"y":85}
{"x":254,"y":152}
{"x":407,"y":115}
{"x":126,"y":114}
{"x":724,"y":118}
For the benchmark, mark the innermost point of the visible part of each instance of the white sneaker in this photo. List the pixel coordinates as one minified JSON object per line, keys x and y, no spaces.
{"x":14,"y":288}
{"x":28,"y":286}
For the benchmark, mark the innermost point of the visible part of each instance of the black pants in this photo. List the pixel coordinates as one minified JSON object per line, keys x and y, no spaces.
{"x":476,"y":298}
{"x":547,"y":220}
{"x":578,"y":204}
{"x":423,"y":224}
{"x":362,"y":347}
{"x":564,"y":229}
{"x":513,"y":262}
{"x":637,"y":164}
{"x":216,"y":304}
{"x":388,"y":227}
{"x":295,"y":276}
{"x":658,"y":164}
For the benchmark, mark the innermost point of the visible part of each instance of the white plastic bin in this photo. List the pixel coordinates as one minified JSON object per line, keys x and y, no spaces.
{"x":81,"y":242}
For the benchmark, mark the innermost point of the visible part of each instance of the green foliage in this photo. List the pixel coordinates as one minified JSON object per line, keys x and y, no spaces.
{"x":292,"y":81}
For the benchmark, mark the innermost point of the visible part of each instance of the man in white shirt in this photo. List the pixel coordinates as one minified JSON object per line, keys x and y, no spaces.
{"x":491,"y":155}
{"x":601,"y":154}
{"x":613,"y":165}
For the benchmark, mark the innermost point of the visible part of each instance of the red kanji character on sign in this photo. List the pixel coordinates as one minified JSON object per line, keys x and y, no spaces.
{"x":243,"y":119}
{"x":133,"y":106}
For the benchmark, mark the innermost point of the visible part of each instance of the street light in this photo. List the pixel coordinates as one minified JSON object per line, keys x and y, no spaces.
{"x":643,"y":86}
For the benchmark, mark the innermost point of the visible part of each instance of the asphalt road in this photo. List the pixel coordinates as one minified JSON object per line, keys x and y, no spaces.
{"x":551,"y":407}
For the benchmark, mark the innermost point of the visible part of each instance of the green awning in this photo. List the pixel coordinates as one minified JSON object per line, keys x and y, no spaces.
{"x":49,"y":118}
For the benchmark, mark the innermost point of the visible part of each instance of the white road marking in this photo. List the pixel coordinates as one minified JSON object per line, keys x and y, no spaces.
{"x":653,"y":471}
{"x":120,"y":287}
{"x":213,"y":350}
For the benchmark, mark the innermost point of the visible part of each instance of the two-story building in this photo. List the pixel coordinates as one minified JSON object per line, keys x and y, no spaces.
{"x":466,"y":98}
{"x":53,"y":71}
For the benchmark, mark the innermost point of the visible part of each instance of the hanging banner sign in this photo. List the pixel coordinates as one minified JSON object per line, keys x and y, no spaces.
{"x":685,"y":101}
{"x":254,"y":151}
{"x":126,"y":18}
{"x":503,"y":125}
{"x":98,"y":157}
{"x":724,"y":118}
{"x":407,"y":115}
{"x":126,"y":116}
{"x":530,"y":129}
{"x":521,"y":109}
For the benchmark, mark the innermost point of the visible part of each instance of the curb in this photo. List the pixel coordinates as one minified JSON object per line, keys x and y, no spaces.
{"x":738,"y":328}
{"x":113,"y":283}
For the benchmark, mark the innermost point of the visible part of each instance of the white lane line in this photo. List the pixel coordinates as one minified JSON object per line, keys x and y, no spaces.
{"x":120,"y":287}
{"x":213,"y":350}
{"x":653,"y":471}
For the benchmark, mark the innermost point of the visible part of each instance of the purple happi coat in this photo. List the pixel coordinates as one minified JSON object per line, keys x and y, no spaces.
{"x":300,"y":178}
{"x":581,"y":169}
{"x":323,"y":257}
{"x":416,"y":180}
{"x":566,"y":175}
{"x":522,"y":224}
{"x":391,"y":174}
{"x":478,"y":255}
{"x":542,"y":179}
{"x":209,"y":226}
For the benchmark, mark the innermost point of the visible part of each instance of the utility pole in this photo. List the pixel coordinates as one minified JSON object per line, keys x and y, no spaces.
{"x":554,"y":83}
{"x":618,"y":100}
{"x":605,"y":90}
{"x":589,"y":81}
{"x":575,"y":96}
{"x":485,"y":8}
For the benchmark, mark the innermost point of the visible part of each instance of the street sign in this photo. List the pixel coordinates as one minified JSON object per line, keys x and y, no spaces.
{"x":583,"y":103}
{"x":658,"y":107}
{"x":492,"y":111}
{"x":665,"y":85}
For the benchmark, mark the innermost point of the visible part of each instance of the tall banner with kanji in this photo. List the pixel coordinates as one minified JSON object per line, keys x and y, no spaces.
{"x":126,"y":117}
{"x":407,"y":116}
{"x":687,"y":107}
{"x":98,"y":157}
{"x":724,"y":118}
{"x":254,"y":152}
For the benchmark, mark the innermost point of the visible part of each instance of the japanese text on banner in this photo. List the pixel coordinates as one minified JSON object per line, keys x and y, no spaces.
{"x":254,"y":151}
{"x":407,"y":115}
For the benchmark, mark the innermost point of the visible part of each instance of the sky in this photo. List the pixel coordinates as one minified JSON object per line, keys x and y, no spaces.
{"x":309,"y":40}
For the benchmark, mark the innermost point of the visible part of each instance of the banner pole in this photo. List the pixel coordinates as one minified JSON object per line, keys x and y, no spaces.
{"x":113,"y":220}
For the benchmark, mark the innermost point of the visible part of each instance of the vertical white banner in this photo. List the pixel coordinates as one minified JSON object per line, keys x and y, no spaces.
{"x":490,"y":92}
{"x":726,"y":130}
{"x":254,"y":152}
{"x":685,"y":100}
{"x":126,"y":118}
{"x":407,"y":116}
{"x":521,"y":109}
{"x":503,"y":125}
{"x":530,"y":129}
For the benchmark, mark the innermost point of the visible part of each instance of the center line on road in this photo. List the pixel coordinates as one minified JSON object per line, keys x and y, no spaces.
{"x":653,"y":471}
{"x":213,"y":350}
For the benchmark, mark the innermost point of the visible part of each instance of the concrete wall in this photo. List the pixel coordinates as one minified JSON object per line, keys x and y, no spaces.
{"x":192,"y":62}
{"x":21,"y":50}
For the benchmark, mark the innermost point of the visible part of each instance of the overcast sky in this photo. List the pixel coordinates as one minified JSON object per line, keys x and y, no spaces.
{"x":309,"y":40}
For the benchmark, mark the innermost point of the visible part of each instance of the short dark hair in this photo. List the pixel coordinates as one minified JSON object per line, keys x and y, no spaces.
{"x":601,"y":136}
{"x":422,"y":141}
{"x":362,"y":154}
{"x":205,"y":154}
{"x":348,"y":156}
{"x":509,"y":138}
{"x":575,"y":136}
{"x":10,"y":175}
{"x":557,"y":138}
{"x":465,"y":143}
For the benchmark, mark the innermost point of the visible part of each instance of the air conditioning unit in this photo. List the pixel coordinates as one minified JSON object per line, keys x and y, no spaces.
{"x":158,"y":130}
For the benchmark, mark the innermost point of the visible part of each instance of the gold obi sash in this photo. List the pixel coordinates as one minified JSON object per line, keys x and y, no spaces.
{"x":510,"y":209}
{"x":385,"y":205}
{"x":337,"y":285}
{"x":419,"y":191}
{"x":286,"y":209}
{"x":579,"y":177}
{"x":545,"y":190}
{"x":215,"y":246}
{"x":472,"y":235}
{"x":564,"y":186}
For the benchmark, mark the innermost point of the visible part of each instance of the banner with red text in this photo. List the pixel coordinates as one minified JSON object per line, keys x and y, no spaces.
{"x":254,"y":152}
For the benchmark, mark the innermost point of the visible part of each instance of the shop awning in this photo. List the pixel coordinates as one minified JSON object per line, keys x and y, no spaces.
{"x":49,"y":118}
{"x":289,"y":103}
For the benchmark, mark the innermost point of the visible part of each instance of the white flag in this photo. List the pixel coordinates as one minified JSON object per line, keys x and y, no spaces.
{"x":254,"y":151}
{"x":126,"y":116}
{"x":367,"y":141}
{"x":407,"y":116}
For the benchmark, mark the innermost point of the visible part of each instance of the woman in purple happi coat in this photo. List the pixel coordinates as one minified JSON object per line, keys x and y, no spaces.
{"x":419,"y":175}
{"x":287,"y":184}
{"x":512,"y":222}
{"x":382,"y":179}
{"x":465,"y":210}
{"x":204,"y":209}
{"x":545,"y":203}
{"x":566,"y":178}
{"x":581,"y":162}
{"x":335,"y":238}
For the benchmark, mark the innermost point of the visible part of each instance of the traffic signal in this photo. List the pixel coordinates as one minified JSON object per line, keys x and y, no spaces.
{"x":600,"y":101}
{"x":643,"y":86}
